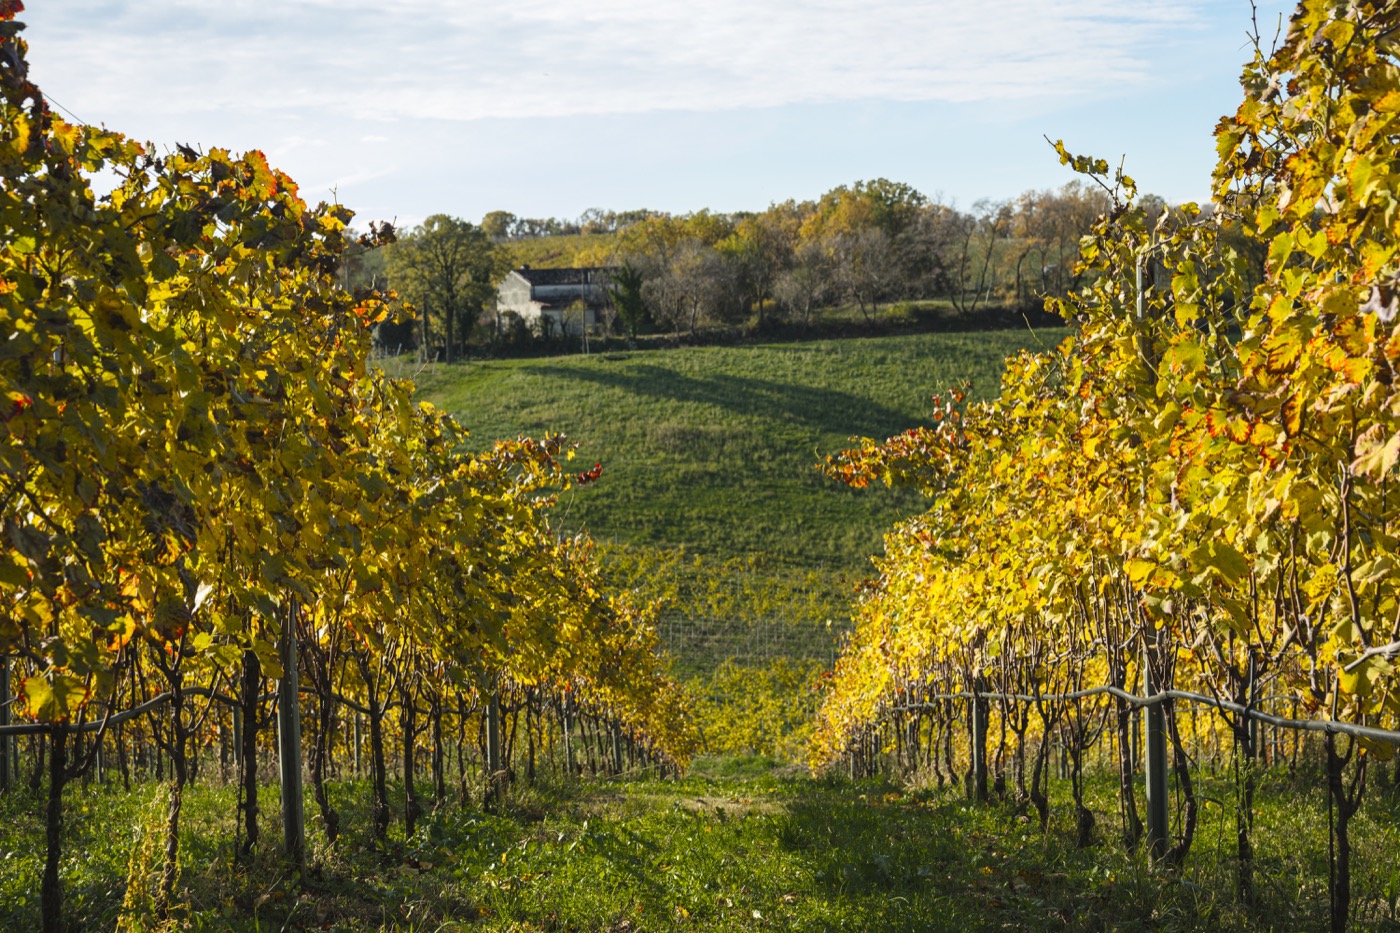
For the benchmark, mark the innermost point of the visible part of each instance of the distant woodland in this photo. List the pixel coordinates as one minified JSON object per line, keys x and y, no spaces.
{"x":858,"y":248}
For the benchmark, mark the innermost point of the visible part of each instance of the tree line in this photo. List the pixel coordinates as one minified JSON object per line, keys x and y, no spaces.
{"x":861,"y":246}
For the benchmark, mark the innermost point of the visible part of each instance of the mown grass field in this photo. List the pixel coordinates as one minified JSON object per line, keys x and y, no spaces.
{"x":716,"y":448}
{"x":736,"y":845}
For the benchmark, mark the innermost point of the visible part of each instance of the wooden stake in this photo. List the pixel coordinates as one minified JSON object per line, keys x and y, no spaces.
{"x":289,"y":746}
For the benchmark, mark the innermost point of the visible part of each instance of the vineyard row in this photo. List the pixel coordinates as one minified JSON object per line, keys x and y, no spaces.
{"x":207,"y":495}
{"x":1196,"y":490}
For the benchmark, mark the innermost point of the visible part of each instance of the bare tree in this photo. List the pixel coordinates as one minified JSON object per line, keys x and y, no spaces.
{"x":807,"y":283}
{"x":866,"y":267}
{"x":980,"y":235}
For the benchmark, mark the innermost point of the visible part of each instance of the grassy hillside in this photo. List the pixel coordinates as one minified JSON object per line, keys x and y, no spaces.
{"x":563,"y":251}
{"x":714,"y":448}
{"x":711,"y":502}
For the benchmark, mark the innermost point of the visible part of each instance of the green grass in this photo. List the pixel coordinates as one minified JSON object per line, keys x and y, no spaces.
{"x":711,"y":501}
{"x":738,"y":845}
{"x":715,"y":448}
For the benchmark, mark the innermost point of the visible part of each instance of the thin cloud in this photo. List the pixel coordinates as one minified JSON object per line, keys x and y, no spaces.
{"x":403,"y":59}
{"x":356,"y":178}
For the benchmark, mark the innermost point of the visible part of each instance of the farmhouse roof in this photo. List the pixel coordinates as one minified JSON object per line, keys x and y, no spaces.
{"x":583,"y":276}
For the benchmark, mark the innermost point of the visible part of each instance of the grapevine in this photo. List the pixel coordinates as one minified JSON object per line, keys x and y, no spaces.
{"x":197,"y":465}
{"x":1199,"y":482}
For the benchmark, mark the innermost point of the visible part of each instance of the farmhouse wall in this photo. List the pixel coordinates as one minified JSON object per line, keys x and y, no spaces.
{"x":541,"y":297}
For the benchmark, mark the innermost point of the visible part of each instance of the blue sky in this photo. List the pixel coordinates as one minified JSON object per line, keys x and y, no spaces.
{"x":403,"y":108}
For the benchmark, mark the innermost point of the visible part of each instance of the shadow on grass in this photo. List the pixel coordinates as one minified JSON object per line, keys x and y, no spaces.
{"x":827,"y":410}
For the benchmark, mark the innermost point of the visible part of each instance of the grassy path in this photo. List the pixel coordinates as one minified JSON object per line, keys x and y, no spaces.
{"x":716,"y":853}
{"x":737,"y":845}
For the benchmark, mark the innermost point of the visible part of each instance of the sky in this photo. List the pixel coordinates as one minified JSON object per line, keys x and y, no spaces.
{"x":404,"y":108}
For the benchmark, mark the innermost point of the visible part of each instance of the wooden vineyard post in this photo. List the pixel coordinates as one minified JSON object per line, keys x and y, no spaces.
{"x":1155,"y":765}
{"x":979,"y":743}
{"x":289,"y":746}
{"x":569,"y":736}
{"x":6,"y":781}
{"x":357,"y":745}
{"x":617,"y":747}
{"x":237,"y":734}
{"x":1135,"y":732}
{"x":1155,"y":738}
{"x":493,"y":746}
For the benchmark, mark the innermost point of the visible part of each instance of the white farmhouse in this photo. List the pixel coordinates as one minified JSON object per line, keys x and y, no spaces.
{"x":555,"y":300}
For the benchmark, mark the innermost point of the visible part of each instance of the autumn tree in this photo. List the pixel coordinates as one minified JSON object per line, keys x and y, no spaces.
{"x":498,"y":225}
{"x":758,"y":251}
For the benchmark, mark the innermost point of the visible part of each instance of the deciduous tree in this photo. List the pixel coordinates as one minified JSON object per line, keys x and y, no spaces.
{"x":448,"y":268}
